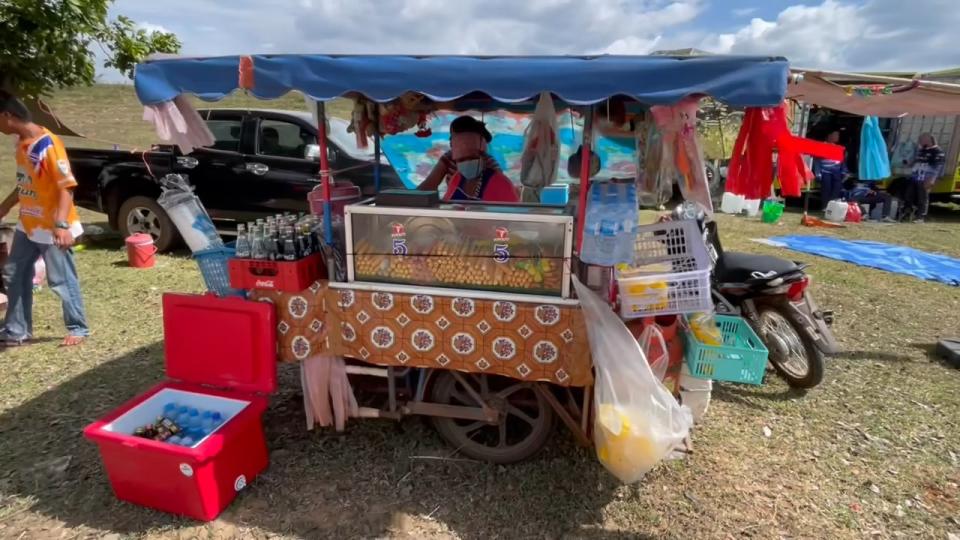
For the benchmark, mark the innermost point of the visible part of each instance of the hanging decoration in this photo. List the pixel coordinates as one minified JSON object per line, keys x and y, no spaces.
{"x":764,"y":132}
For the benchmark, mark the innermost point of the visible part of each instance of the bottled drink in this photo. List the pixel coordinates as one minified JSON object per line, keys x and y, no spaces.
{"x":243,"y":242}
{"x":273,"y":249}
{"x":258,"y":247}
{"x":289,"y":249}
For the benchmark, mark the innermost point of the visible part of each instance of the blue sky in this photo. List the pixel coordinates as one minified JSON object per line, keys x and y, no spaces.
{"x":914,"y":35}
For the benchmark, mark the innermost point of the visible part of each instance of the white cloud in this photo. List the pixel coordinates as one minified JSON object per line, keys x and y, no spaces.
{"x":838,"y":34}
{"x":868,"y":35}
{"x":420,"y":26}
{"x":150,"y":27}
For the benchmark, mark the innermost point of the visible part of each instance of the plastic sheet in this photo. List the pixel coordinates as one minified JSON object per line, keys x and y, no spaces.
{"x":889,"y":257}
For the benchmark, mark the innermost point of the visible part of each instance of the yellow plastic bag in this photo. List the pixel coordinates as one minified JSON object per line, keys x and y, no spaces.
{"x":705,"y":328}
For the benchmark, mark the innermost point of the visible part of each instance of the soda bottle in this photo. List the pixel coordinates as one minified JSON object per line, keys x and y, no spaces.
{"x":258,"y":248}
{"x":243,"y":242}
{"x":289,"y":249}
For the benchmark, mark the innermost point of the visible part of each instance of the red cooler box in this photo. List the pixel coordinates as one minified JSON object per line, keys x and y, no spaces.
{"x":220,"y":356}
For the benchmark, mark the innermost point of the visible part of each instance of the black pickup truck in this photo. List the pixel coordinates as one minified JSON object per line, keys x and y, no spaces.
{"x":262,"y":162}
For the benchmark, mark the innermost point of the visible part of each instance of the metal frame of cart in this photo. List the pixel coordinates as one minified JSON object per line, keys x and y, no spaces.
{"x":461,"y":83}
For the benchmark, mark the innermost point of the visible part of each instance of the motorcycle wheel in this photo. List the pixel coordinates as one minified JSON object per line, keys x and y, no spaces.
{"x":793,"y":351}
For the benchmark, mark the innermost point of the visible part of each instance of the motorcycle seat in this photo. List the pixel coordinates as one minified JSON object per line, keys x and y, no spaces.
{"x":733,"y":267}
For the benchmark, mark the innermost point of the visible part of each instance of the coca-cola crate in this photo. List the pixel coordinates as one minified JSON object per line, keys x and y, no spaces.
{"x":286,"y":276}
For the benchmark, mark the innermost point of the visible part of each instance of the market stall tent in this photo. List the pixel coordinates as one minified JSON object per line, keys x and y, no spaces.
{"x":655,"y":80}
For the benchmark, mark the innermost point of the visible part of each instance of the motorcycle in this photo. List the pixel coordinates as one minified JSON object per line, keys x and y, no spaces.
{"x":773,"y":295}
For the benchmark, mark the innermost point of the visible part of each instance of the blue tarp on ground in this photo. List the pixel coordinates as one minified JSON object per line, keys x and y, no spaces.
{"x":739,"y":81}
{"x":889,"y":257}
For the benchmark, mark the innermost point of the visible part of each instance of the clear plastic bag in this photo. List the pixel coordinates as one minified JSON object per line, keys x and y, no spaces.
{"x":638,"y":423}
{"x":655,"y":349}
{"x":541,"y":147}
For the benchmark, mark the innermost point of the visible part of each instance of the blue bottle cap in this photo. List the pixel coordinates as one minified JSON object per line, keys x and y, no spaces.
{"x":170,"y":407}
{"x":174,"y":440}
{"x":217,"y":416}
{"x":206,"y":414}
{"x":186,"y":441}
{"x":182,"y":409}
{"x":194,"y":412}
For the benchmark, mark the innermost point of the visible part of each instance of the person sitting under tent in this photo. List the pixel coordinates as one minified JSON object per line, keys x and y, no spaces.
{"x":866,"y":193}
{"x":472,"y":175}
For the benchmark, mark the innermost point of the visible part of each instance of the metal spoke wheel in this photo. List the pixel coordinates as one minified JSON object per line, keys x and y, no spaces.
{"x":143,"y":220}
{"x":792,"y":351}
{"x":141,"y":214}
{"x":524,"y":422}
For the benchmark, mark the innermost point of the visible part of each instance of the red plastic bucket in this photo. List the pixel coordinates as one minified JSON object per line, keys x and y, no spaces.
{"x":141,"y":251}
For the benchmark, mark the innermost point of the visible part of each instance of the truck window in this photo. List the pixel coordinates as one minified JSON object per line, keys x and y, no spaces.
{"x":283,"y":139}
{"x":226,"y":134}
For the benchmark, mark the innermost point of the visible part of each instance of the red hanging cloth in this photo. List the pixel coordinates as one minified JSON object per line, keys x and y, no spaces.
{"x":765,"y":131}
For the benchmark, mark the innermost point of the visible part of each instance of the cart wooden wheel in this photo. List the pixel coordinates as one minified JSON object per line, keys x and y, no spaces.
{"x":524,"y":425}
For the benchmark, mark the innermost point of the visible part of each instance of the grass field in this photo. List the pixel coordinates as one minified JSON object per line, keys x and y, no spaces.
{"x":874,"y":452}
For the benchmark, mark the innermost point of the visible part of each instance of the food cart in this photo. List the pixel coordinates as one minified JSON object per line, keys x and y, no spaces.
{"x":464,"y":312}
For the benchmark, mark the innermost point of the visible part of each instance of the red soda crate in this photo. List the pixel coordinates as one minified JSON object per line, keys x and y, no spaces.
{"x":286,"y":276}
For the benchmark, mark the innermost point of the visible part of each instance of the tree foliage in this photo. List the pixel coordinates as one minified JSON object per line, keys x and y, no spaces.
{"x":49,"y":44}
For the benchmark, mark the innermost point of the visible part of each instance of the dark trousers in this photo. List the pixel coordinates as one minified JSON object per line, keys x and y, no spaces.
{"x":874,"y":198}
{"x":830,"y":187}
{"x":916,"y":200}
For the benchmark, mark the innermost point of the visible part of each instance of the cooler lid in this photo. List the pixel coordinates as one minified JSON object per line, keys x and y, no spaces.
{"x":221,"y":342}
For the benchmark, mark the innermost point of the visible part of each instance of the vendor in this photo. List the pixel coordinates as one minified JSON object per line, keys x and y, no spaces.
{"x":472,"y":175}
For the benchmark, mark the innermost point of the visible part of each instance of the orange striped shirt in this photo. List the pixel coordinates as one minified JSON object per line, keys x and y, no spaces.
{"x":42,"y":170}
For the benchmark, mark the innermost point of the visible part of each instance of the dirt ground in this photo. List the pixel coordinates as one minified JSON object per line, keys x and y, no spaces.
{"x":873,"y":452}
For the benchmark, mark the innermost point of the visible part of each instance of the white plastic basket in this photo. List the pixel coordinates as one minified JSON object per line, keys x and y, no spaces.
{"x":670,"y":274}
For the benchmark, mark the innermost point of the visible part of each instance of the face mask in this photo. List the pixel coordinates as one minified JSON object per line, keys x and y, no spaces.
{"x":470,"y":169}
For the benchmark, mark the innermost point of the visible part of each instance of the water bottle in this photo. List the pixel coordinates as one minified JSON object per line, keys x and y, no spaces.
{"x":243,"y":242}
{"x":217,"y":418}
{"x":607,"y":242}
{"x":170,"y":411}
{"x":186,"y":441}
{"x":591,"y":226}
{"x":174,"y":440}
{"x":629,"y":206}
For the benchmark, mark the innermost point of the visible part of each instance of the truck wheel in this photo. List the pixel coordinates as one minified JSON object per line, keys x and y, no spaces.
{"x":144,"y":215}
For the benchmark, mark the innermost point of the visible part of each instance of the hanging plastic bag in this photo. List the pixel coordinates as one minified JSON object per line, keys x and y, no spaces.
{"x":656,"y":173}
{"x":541,"y":148}
{"x":655,"y":349}
{"x":637,"y":423}
{"x":681,"y":148}
{"x":39,"y":273}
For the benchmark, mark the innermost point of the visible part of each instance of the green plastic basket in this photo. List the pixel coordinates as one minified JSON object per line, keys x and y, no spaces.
{"x":741,"y":359}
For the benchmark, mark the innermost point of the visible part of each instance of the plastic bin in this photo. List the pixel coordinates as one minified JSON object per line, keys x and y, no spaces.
{"x":214,"y":267}
{"x":220,"y":354}
{"x":742,"y":358}
{"x":555,"y":195}
{"x":670,"y":274}
{"x":292,"y":276}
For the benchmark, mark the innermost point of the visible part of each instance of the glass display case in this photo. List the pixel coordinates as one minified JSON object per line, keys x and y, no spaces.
{"x":516,"y":249}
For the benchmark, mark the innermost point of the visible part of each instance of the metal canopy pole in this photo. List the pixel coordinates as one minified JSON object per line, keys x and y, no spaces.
{"x":376,"y":150}
{"x":585,"y":155}
{"x":324,"y":172}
